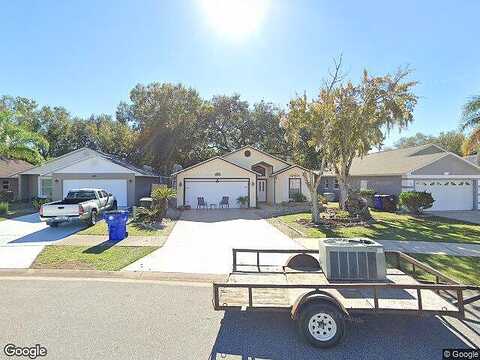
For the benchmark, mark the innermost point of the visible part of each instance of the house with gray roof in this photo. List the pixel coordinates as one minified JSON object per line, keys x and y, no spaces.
{"x":452,"y":180}
{"x":9,"y":169}
{"x":87,"y":168}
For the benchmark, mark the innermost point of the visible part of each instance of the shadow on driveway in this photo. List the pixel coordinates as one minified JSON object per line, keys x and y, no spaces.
{"x":49,"y":234}
{"x":264,"y":335}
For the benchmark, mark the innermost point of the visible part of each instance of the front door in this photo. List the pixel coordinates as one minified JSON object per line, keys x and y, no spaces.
{"x":261,"y":190}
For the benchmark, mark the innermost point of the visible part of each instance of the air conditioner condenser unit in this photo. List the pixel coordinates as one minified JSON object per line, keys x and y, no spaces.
{"x":352,"y":259}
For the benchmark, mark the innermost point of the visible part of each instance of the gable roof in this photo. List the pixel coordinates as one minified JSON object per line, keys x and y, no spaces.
{"x":398,"y":161}
{"x":260,"y":151}
{"x":10,"y":167}
{"x":79,"y":155}
{"x":291,"y":167}
{"x":211,"y":159}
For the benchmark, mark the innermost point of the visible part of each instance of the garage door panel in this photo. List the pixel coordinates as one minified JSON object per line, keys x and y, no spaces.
{"x":213,"y":191}
{"x":115,"y":186}
{"x":452,"y":194}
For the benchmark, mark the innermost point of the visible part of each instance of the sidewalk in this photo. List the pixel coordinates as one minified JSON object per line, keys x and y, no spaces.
{"x":425,"y":247}
{"x":419,"y":247}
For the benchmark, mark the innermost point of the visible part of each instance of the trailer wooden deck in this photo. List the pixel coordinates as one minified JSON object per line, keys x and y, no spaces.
{"x":360,"y":297}
{"x":257,"y":286}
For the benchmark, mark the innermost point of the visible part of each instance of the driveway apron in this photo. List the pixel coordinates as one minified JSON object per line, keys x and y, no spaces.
{"x":23,"y":238}
{"x":202,"y":242}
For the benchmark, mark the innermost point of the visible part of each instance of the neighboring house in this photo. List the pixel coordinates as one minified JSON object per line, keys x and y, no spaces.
{"x":453,"y":181}
{"x":87,"y":168}
{"x":474,"y":159}
{"x":9,"y":168}
{"x":261,"y":177}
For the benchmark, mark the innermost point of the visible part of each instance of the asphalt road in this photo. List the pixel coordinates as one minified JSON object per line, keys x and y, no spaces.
{"x":96,"y":319}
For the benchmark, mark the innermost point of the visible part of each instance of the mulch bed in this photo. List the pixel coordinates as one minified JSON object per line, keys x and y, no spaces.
{"x":333,"y":218}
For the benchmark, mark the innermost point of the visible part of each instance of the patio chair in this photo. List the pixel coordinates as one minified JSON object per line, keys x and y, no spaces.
{"x":201,"y":203}
{"x":224,"y":202}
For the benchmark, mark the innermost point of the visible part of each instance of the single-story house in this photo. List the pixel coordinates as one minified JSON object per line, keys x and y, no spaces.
{"x":87,"y":168}
{"x":246,"y":172}
{"x":9,"y":169}
{"x":453,"y":181}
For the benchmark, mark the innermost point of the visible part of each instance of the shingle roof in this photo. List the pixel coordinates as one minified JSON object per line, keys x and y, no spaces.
{"x":75,"y":156}
{"x":396,"y":162}
{"x":474,"y":159}
{"x":9,"y":167}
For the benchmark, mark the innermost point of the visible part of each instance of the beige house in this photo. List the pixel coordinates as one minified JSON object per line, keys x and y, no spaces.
{"x":246,"y":172}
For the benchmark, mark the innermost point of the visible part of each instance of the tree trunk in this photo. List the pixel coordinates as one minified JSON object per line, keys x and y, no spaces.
{"x":342,"y":184}
{"x":315,"y":207}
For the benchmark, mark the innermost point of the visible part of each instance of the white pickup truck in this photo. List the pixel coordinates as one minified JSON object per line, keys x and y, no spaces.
{"x":80,"y":204}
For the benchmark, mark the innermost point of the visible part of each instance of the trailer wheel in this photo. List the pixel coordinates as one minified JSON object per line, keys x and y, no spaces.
{"x":322,"y":324}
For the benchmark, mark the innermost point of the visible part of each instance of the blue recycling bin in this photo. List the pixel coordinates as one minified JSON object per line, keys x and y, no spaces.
{"x":117,"y":224}
{"x":377,"y":202}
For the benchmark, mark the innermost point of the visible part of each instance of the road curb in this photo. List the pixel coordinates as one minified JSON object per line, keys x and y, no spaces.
{"x":126,"y":275}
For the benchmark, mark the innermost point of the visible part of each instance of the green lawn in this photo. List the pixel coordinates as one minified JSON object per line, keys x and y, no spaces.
{"x":90,"y":258}
{"x":18,"y":209}
{"x":133,"y":230}
{"x":465,"y":269}
{"x":389,"y":226}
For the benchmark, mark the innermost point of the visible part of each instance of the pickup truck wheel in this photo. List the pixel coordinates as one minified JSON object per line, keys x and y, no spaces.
{"x":115,"y":205}
{"x":93,"y":217}
{"x":53,"y":224}
{"x":322,"y":324}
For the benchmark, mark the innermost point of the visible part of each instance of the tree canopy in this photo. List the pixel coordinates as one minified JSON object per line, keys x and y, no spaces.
{"x":450,"y":140}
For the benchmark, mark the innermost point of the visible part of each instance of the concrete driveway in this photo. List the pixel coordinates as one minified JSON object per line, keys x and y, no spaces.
{"x":202,"y":242}
{"x":471,"y":216}
{"x":23,"y":238}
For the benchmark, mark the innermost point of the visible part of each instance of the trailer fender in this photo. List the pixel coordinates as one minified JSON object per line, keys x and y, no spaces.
{"x":316,"y":296}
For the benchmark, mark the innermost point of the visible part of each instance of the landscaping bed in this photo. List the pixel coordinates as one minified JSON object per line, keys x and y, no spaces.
{"x":133,"y":229}
{"x":100,"y":257}
{"x":18,"y":209}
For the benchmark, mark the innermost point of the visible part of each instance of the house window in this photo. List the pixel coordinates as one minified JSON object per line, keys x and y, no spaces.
{"x":45,"y":188}
{"x":294,"y":187}
{"x":326,"y":186}
{"x":247,"y":153}
{"x":5,"y":185}
{"x":336,"y":184}
{"x":363,"y":184}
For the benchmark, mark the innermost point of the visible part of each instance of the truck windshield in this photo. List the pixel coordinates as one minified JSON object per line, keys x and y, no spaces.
{"x":82,"y":195}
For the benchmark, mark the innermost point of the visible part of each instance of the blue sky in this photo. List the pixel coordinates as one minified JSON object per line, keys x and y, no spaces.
{"x":87,"y":55}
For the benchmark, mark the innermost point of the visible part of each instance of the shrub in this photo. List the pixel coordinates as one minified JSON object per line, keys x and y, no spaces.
{"x":160,"y":197}
{"x":415,"y":201}
{"x":357,"y":206}
{"x":38,"y":202}
{"x":368,"y":195}
{"x":3,"y":208}
{"x":147,"y":216}
{"x":298,"y":197}
{"x":322,"y":200}
{"x":6,"y":196}
{"x":242,"y":201}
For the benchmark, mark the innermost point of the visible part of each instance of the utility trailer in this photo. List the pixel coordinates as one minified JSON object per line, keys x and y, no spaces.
{"x":322,"y":308}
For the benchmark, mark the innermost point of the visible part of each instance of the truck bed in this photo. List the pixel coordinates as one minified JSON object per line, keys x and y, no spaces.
{"x":353,"y":298}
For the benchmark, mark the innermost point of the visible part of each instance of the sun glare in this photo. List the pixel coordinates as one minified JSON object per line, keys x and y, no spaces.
{"x":234,"y":18}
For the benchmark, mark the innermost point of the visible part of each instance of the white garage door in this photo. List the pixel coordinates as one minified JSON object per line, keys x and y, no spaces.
{"x":455,"y":194}
{"x":115,"y":186}
{"x":213,"y":191}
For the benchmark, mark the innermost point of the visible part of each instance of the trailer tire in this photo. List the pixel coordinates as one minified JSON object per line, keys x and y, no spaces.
{"x":322,"y":324}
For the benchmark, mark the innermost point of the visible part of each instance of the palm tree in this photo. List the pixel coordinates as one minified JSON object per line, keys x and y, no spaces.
{"x":471,"y":120}
{"x":17,"y":142}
